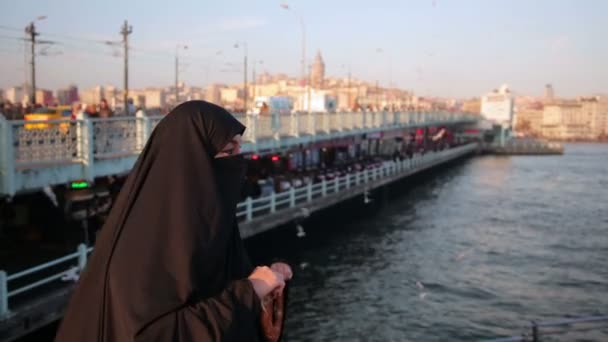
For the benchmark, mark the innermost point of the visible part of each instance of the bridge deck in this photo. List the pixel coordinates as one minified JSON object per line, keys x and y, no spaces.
{"x":70,"y":150}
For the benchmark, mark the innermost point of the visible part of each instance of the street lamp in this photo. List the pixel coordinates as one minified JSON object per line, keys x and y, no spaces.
{"x":31,"y":31}
{"x":286,"y":7}
{"x":177,"y":48}
{"x":348,"y":106}
{"x":244,"y":45}
{"x":255,"y":79}
{"x":379,"y":51}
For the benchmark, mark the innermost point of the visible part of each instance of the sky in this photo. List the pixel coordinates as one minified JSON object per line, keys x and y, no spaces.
{"x":447,"y":48}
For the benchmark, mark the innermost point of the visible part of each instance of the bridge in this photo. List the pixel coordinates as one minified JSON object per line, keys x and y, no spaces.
{"x":37,"y":154}
{"x":40,"y":154}
{"x":32,"y":298}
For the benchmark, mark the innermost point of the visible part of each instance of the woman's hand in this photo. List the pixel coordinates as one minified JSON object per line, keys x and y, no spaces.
{"x":265,"y":280}
{"x":282,"y":268}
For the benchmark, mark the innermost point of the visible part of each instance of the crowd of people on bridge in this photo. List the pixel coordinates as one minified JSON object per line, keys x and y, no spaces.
{"x":264,"y":183}
{"x":79,"y":110}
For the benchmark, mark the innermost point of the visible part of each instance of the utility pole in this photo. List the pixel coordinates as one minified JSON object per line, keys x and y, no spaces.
{"x":176,"y":78}
{"x":126,"y":31}
{"x":254,"y":80}
{"x":177,"y":47}
{"x":245,"y":82}
{"x":377,"y":96}
{"x":349,"y":106}
{"x":244,"y":45}
{"x":31,"y":31}
{"x":308,"y":88}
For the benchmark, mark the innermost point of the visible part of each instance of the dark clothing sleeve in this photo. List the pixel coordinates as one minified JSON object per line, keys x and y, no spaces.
{"x":232,"y":315}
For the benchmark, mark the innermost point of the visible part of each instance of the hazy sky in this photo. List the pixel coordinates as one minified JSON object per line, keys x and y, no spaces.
{"x":444,"y":47}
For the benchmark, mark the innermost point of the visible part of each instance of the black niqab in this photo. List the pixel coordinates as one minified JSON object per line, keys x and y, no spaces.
{"x":169,"y":264}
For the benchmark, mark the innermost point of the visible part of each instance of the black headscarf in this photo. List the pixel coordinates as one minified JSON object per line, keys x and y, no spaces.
{"x":170,"y":264}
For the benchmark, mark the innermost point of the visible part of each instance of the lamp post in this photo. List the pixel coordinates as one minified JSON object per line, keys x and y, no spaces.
{"x":244,"y":45}
{"x":378,"y":51}
{"x":177,"y":48}
{"x":348,"y":106}
{"x":254,"y":76}
{"x":303,"y":61}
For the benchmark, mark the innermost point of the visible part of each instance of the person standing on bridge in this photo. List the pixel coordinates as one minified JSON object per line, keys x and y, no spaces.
{"x":169,"y":264}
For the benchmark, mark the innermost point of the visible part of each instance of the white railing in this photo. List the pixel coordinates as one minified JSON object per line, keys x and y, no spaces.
{"x":80,"y":256}
{"x":34,"y":154}
{"x":251,"y":208}
{"x":247,"y":211}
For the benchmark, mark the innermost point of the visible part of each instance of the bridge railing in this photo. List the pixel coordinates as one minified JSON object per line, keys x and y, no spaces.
{"x":251,"y":208}
{"x":246,"y":211}
{"x":35,"y":154}
{"x":80,"y":257}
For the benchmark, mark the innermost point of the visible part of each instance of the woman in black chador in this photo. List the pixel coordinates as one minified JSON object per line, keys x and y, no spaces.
{"x":169,"y":264}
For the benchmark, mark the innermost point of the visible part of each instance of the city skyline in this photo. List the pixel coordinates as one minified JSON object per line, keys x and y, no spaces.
{"x":459,"y":50}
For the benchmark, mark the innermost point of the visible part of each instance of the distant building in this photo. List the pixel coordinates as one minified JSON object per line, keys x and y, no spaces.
{"x":472,"y":106}
{"x":44,"y":97}
{"x":97,"y":93}
{"x":530,"y":121}
{"x":155,"y":98}
{"x":317,"y":74}
{"x":565,"y":120}
{"x":497,"y":106}
{"x":595,"y":109}
{"x":213,"y":93}
{"x":15,"y":94}
{"x":67,"y":96}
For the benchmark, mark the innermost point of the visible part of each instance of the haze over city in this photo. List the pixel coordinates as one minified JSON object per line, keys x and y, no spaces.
{"x":440,"y":48}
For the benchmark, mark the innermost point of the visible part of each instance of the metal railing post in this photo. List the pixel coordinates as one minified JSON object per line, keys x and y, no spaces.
{"x":337,"y":184}
{"x":384,"y":120}
{"x":309,"y":192}
{"x":82,"y":256}
{"x":7,"y":182}
{"x":292,"y":197}
{"x":249,"y":206}
{"x":276,"y":125}
{"x":348,"y":180}
{"x":295,"y":124}
{"x":323,"y":187}
{"x":273,"y":202}
{"x":252,"y":127}
{"x":3,"y":294}
{"x":144,"y":128}
{"x":86,"y":144}
{"x":312,"y":123}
